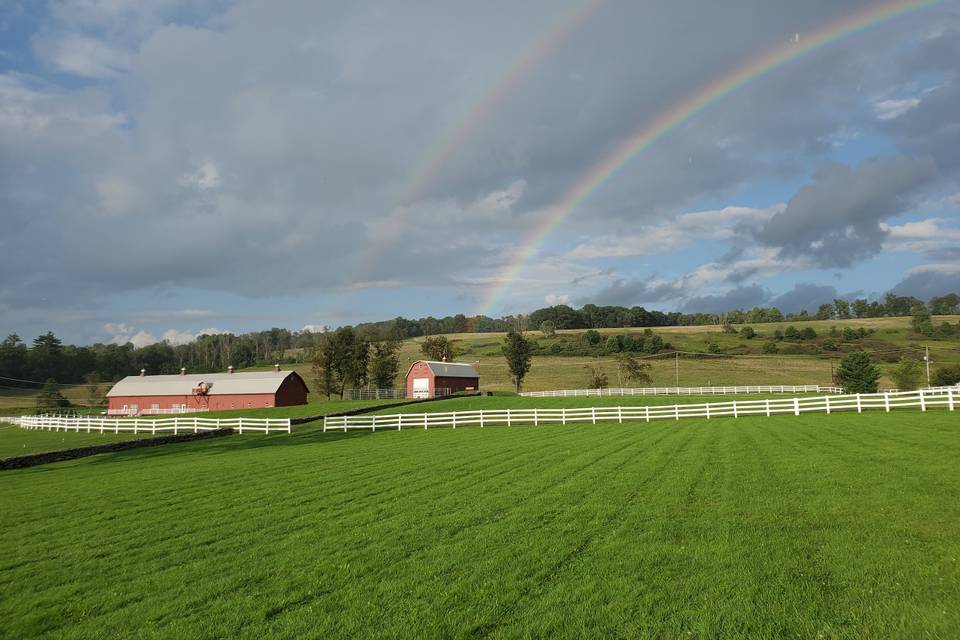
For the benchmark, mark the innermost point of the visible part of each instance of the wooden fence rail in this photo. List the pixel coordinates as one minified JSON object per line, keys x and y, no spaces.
{"x":175,"y":426}
{"x":946,"y":397}
{"x":682,"y":391}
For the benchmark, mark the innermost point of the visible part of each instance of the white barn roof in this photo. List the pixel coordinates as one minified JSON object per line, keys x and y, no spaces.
{"x":220,"y":384}
{"x":452,"y":369}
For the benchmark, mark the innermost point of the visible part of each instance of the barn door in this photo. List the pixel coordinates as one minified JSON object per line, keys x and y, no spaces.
{"x":421,"y":387}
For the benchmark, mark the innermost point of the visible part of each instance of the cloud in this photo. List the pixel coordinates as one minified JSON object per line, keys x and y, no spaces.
{"x":927,"y":236}
{"x":891,"y":109}
{"x":680,"y":232}
{"x":628,"y":293}
{"x":84,"y":56}
{"x":743,"y":297}
{"x":926,"y":281}
{"x":805,"y":295}
{"x":555,"y":299}
{"x":836,"y":220}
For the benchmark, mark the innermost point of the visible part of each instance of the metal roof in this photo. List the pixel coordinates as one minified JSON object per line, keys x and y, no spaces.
{"x":452,"y":369}
{"x":220,"y":384}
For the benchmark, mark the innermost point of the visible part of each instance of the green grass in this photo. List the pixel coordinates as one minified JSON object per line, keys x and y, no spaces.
{"x":321,"y":407}
{"x":844,"y":526}
{"x":15,"y":441}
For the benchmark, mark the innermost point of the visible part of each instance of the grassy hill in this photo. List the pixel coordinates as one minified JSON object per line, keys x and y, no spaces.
{"x":842,"y":526}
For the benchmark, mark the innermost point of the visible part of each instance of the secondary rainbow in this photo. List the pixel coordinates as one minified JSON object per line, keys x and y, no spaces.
{"x":455,"y":135}
{"x":651,"y":131}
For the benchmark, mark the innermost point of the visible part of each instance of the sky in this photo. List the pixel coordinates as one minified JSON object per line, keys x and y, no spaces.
{"x":173,"y":167}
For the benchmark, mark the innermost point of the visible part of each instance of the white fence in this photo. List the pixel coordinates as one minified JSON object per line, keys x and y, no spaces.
{"x":374,"y":394}
{"x":925,"y":399}
{"x":100,"y":424}
{"x":681,"y":391}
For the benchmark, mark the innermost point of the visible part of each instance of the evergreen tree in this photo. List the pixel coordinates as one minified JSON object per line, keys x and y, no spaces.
{"x":50,"y":397}
{"x":857,"y":374}
{"x":908,"y":375}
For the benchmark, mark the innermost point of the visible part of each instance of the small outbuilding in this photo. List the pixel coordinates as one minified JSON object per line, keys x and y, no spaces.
{"x":153,"y":395}
{"x":429,"y":379}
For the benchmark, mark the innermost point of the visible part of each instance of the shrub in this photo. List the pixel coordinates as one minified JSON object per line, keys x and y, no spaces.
{"x":907,"y":375}
{"x":829,"y":345}
{"x":729,"y":328}
{"x":946,"y":376}
{"x":857,"y":374}
{"x":770,"y":347}
{"x":849,"y":335}
{"x":748,"y":333}
{"x":791,"y":333}
{"x":807,"y":333}
{"x":713,"y":347}
{"x":596,"y":378}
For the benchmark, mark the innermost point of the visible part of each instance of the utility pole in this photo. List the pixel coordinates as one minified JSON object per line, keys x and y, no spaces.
{"x":677,"y":360}
{"x":926,"y":358}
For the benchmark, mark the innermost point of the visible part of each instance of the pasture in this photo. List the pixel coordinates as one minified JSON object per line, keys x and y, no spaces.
{"x":812,"y":526}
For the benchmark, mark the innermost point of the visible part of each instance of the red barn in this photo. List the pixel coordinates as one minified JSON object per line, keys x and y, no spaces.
{"x":427,"y":379}
{"x":144,"y":395}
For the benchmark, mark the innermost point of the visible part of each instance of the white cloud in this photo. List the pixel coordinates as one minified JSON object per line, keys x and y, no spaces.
{"x":315,"y":328}
{"x":946,"y":268}
{"x":682,"y":231}
{"x":556,"y":298}
{"x":892,"y":109}
{"x":122,"y":334}
{"x":920,"y":235}
{"x":206,"y":177}
{"x":83,"y":55}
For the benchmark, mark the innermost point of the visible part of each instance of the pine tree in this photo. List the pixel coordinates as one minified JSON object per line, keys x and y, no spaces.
{"x":857,"y":374}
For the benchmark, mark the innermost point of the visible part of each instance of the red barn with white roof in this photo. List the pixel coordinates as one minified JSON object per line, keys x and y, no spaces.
{"x":429,"y":379}
{"x":144,"y":395}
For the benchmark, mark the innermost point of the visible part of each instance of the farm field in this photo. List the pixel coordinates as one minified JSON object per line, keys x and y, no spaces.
{"x":15,"y":441}
{"x":843,"y":526}
{"x":569,"y":372}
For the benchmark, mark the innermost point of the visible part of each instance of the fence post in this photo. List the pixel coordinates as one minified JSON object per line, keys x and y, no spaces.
{"x":424,"y":422}
{"x":593,"y":415}
{"x":828,"y":405}
{"x":536,"y":420}
{"x":707,"y":405}
{"x":859,"y":406}
{"x":176,"y":423}
{"x":647,"y":412}
{"x":324,"y":424}
{"x":454,"y":419}
{"x":676,"y":411}
{"x":886,"y":402}
{"x":768,"y":407}
{"x":619,"y":414}
{"x":950,"y":398}
{"x":563,"y":415}
{"x":923,"y":404}
{"x":735,"y":414}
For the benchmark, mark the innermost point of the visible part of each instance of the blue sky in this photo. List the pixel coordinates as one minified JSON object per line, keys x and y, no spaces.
{"x":171,"y":167}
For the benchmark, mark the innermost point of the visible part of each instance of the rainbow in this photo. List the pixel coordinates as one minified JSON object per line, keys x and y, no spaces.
{"x":650,"y":132}
{"x":455,"y":135}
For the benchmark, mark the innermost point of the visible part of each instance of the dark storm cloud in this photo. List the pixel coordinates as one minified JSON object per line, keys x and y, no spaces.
{"x":628,"y":293}
{"x":835,"y":221}
{"x":805,"y":295}
{"x":926,"y":283}
{"x":744,"y":297}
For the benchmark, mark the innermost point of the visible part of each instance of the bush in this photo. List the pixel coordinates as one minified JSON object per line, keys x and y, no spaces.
{"x":857,"y":374}
{"x":748,"y":333}
{"x":729,"y":328}
{"x":713,"y":347}
{"x":849,"y":335}
{"x":946,"y":376}
{"x":829,"y":345}
{"x":770,"y":347}
{"x":596,"y":378}
{"x":907,"y":375}
{"x":807,"y":333}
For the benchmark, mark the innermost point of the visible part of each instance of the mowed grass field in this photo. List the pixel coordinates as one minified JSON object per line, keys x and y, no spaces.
{"x":15,"y":441}
{"x":815,"y":526}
